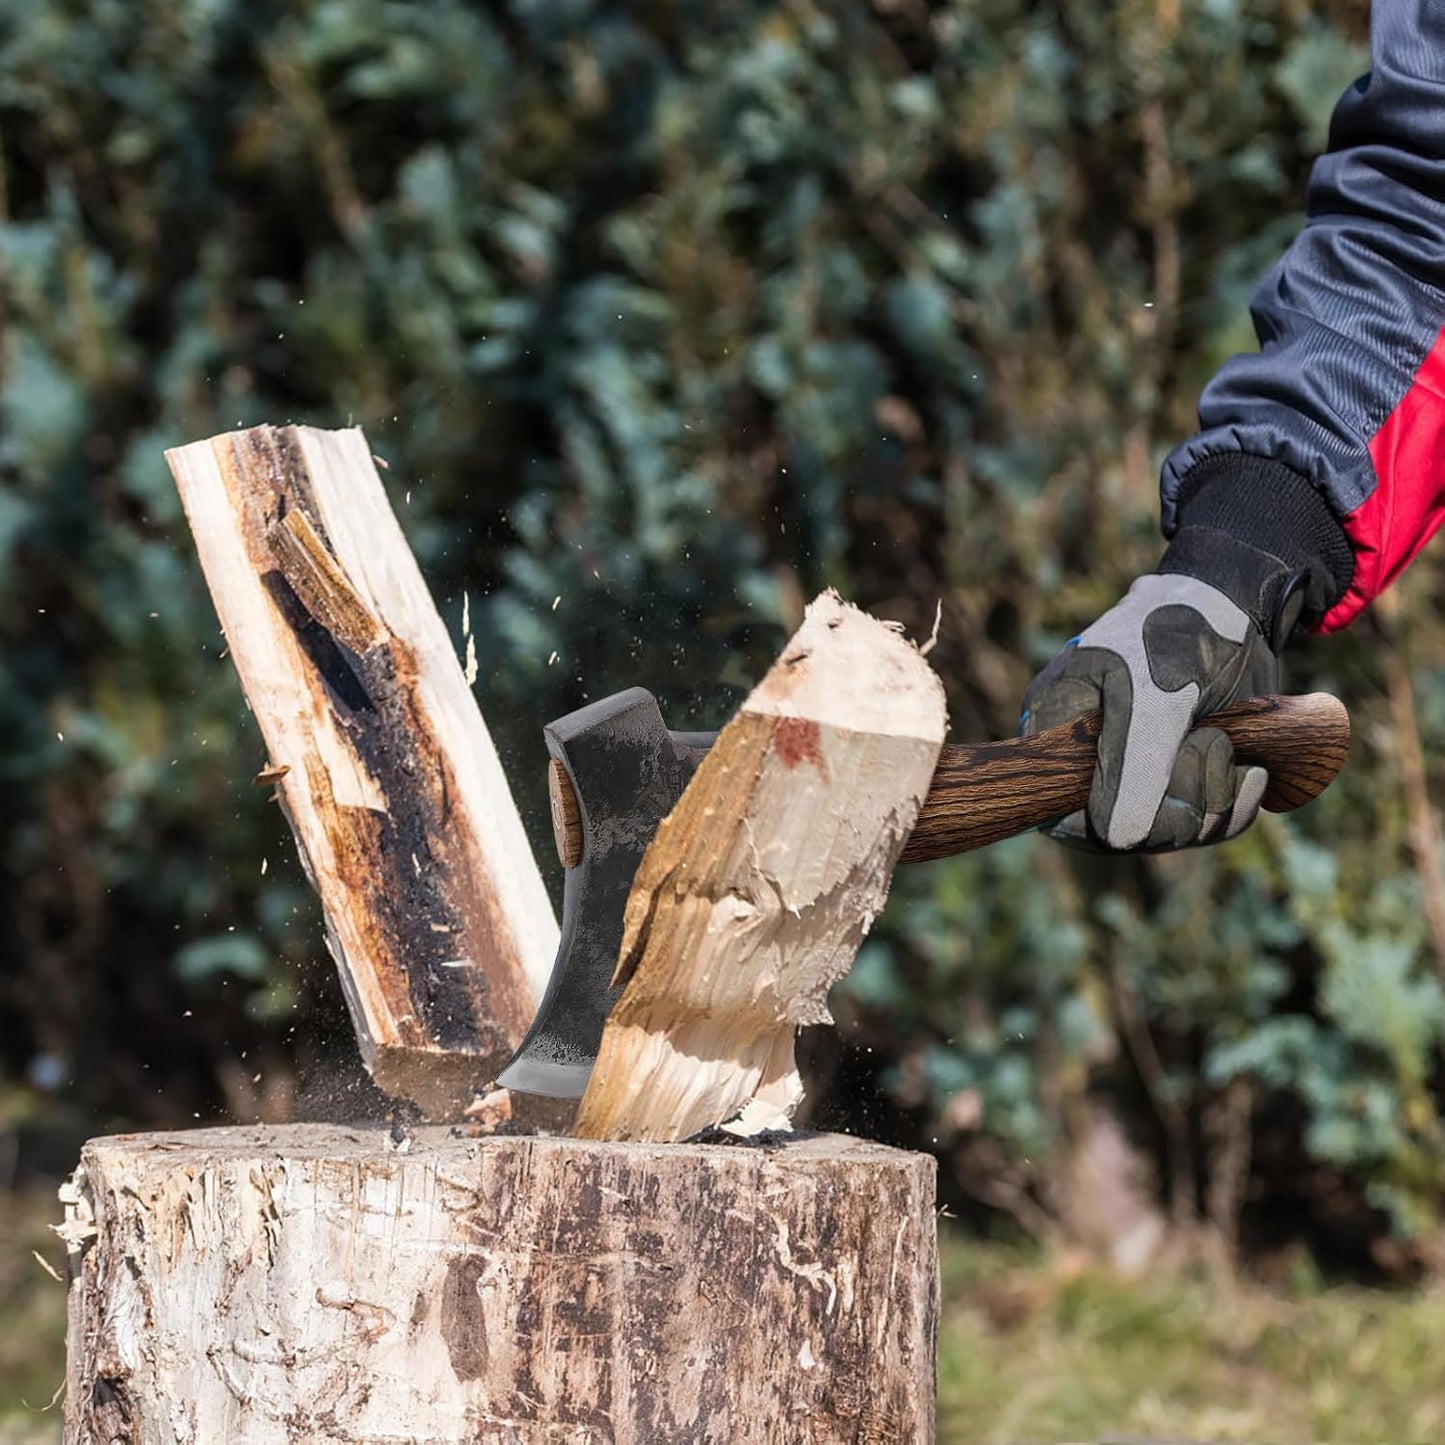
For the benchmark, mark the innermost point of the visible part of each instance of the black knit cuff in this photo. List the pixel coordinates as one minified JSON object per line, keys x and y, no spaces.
{"x":1273,"y":509}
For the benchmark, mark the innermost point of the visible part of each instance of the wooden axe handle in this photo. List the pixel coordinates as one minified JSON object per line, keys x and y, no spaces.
{"x":981,"y":794}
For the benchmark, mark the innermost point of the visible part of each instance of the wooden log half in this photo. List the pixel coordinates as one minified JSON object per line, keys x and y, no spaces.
{"x":308,"y":1283}
{"x":435,"y":909}
{"x":753,"y":898}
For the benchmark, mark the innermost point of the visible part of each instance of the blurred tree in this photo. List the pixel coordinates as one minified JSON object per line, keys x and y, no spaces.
{"x":665,"y":317}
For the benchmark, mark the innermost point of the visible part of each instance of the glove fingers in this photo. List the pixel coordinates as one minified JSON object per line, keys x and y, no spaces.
{"x":1136,"y":753}
{"x":1214,"y":781}
{"x":1075,"y":831}
{"x":1138,"y":750}
{"x":1070,"y":686}
{"x":1200,"y":790}
{"x":1173,"y":646}
{"x":1209,"y":797}
{"x":1248,"y":797}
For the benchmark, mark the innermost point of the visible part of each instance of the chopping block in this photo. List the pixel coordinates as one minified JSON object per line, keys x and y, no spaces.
{"x":321,"y":1283}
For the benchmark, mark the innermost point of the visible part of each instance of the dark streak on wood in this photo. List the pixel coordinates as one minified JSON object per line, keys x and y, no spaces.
{"x":453,"y":1004}
{"x":327,"y":655}
{"x":428,"y":919}
{"x":466,"y":1342}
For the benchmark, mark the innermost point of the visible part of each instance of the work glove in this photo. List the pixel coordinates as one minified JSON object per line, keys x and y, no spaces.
{"x":1174,"y":649}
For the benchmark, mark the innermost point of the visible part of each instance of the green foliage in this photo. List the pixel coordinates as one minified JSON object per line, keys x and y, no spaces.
{"x":663,"y":319}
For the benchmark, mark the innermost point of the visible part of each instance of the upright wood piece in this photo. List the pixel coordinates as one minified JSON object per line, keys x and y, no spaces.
{"x":436,"y":913}
{"x":307,"y":1283}
{"x":759,"y":886}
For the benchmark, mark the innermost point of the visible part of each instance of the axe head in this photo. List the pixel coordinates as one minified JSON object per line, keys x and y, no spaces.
{"x":626,"y":772}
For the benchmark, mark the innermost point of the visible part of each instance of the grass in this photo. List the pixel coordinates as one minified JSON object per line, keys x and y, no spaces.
{"x":32,"y":1318}
{"x":1037,"y":1351}
{"x":1032,"y":1351}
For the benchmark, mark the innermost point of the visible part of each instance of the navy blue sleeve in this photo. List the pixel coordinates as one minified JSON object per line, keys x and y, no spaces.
{"x":1327,"y":446}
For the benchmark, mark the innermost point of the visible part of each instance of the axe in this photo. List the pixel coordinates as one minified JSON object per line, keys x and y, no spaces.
{"x":616,"y":771}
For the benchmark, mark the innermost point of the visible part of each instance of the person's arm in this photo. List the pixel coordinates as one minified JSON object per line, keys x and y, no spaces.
{"x":1317,"y":475}
{"x":1327,"y":446}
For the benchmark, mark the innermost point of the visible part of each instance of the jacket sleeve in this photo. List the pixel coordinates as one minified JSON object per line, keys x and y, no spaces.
{"x":1327,"y":446}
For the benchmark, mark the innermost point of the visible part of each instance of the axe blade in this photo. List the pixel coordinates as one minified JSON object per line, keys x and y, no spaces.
{"x":627,"y":772}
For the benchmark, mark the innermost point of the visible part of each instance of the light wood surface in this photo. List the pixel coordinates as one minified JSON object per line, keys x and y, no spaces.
{"x":758,"y":888}
{"x":436,"y":913}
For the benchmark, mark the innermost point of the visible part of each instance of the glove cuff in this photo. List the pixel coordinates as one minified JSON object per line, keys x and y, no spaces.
{"x":1263,"y":534}
{"x":1260,"y":583}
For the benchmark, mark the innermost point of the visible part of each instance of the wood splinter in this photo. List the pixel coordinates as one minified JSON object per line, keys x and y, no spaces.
{"x":759,"y":887}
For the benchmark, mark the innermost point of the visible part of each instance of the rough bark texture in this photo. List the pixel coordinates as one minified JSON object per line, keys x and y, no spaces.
{"x":760,"y":885}
{"x":306,"y":1283}
{"x":435,"y":910}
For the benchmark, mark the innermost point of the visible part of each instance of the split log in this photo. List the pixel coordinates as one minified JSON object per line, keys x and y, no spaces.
{"x":760,"y":885}
{"x":436,"y":913}
{"x":306,"y":1283}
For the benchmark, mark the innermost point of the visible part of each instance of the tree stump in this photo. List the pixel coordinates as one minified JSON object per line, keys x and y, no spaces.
{"x":313,"y":1283}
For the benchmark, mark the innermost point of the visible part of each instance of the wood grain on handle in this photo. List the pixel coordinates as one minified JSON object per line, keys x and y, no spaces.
{"x":991,"y":791}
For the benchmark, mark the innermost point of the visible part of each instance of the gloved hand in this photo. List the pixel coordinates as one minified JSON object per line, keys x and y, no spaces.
{"x":1176,"y":648}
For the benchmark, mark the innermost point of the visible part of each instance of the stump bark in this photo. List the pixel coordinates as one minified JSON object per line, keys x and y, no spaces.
{"x":309,"y":1282}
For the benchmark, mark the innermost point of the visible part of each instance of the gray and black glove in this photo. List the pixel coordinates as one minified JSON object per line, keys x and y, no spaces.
{"x":1203,"y":631}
